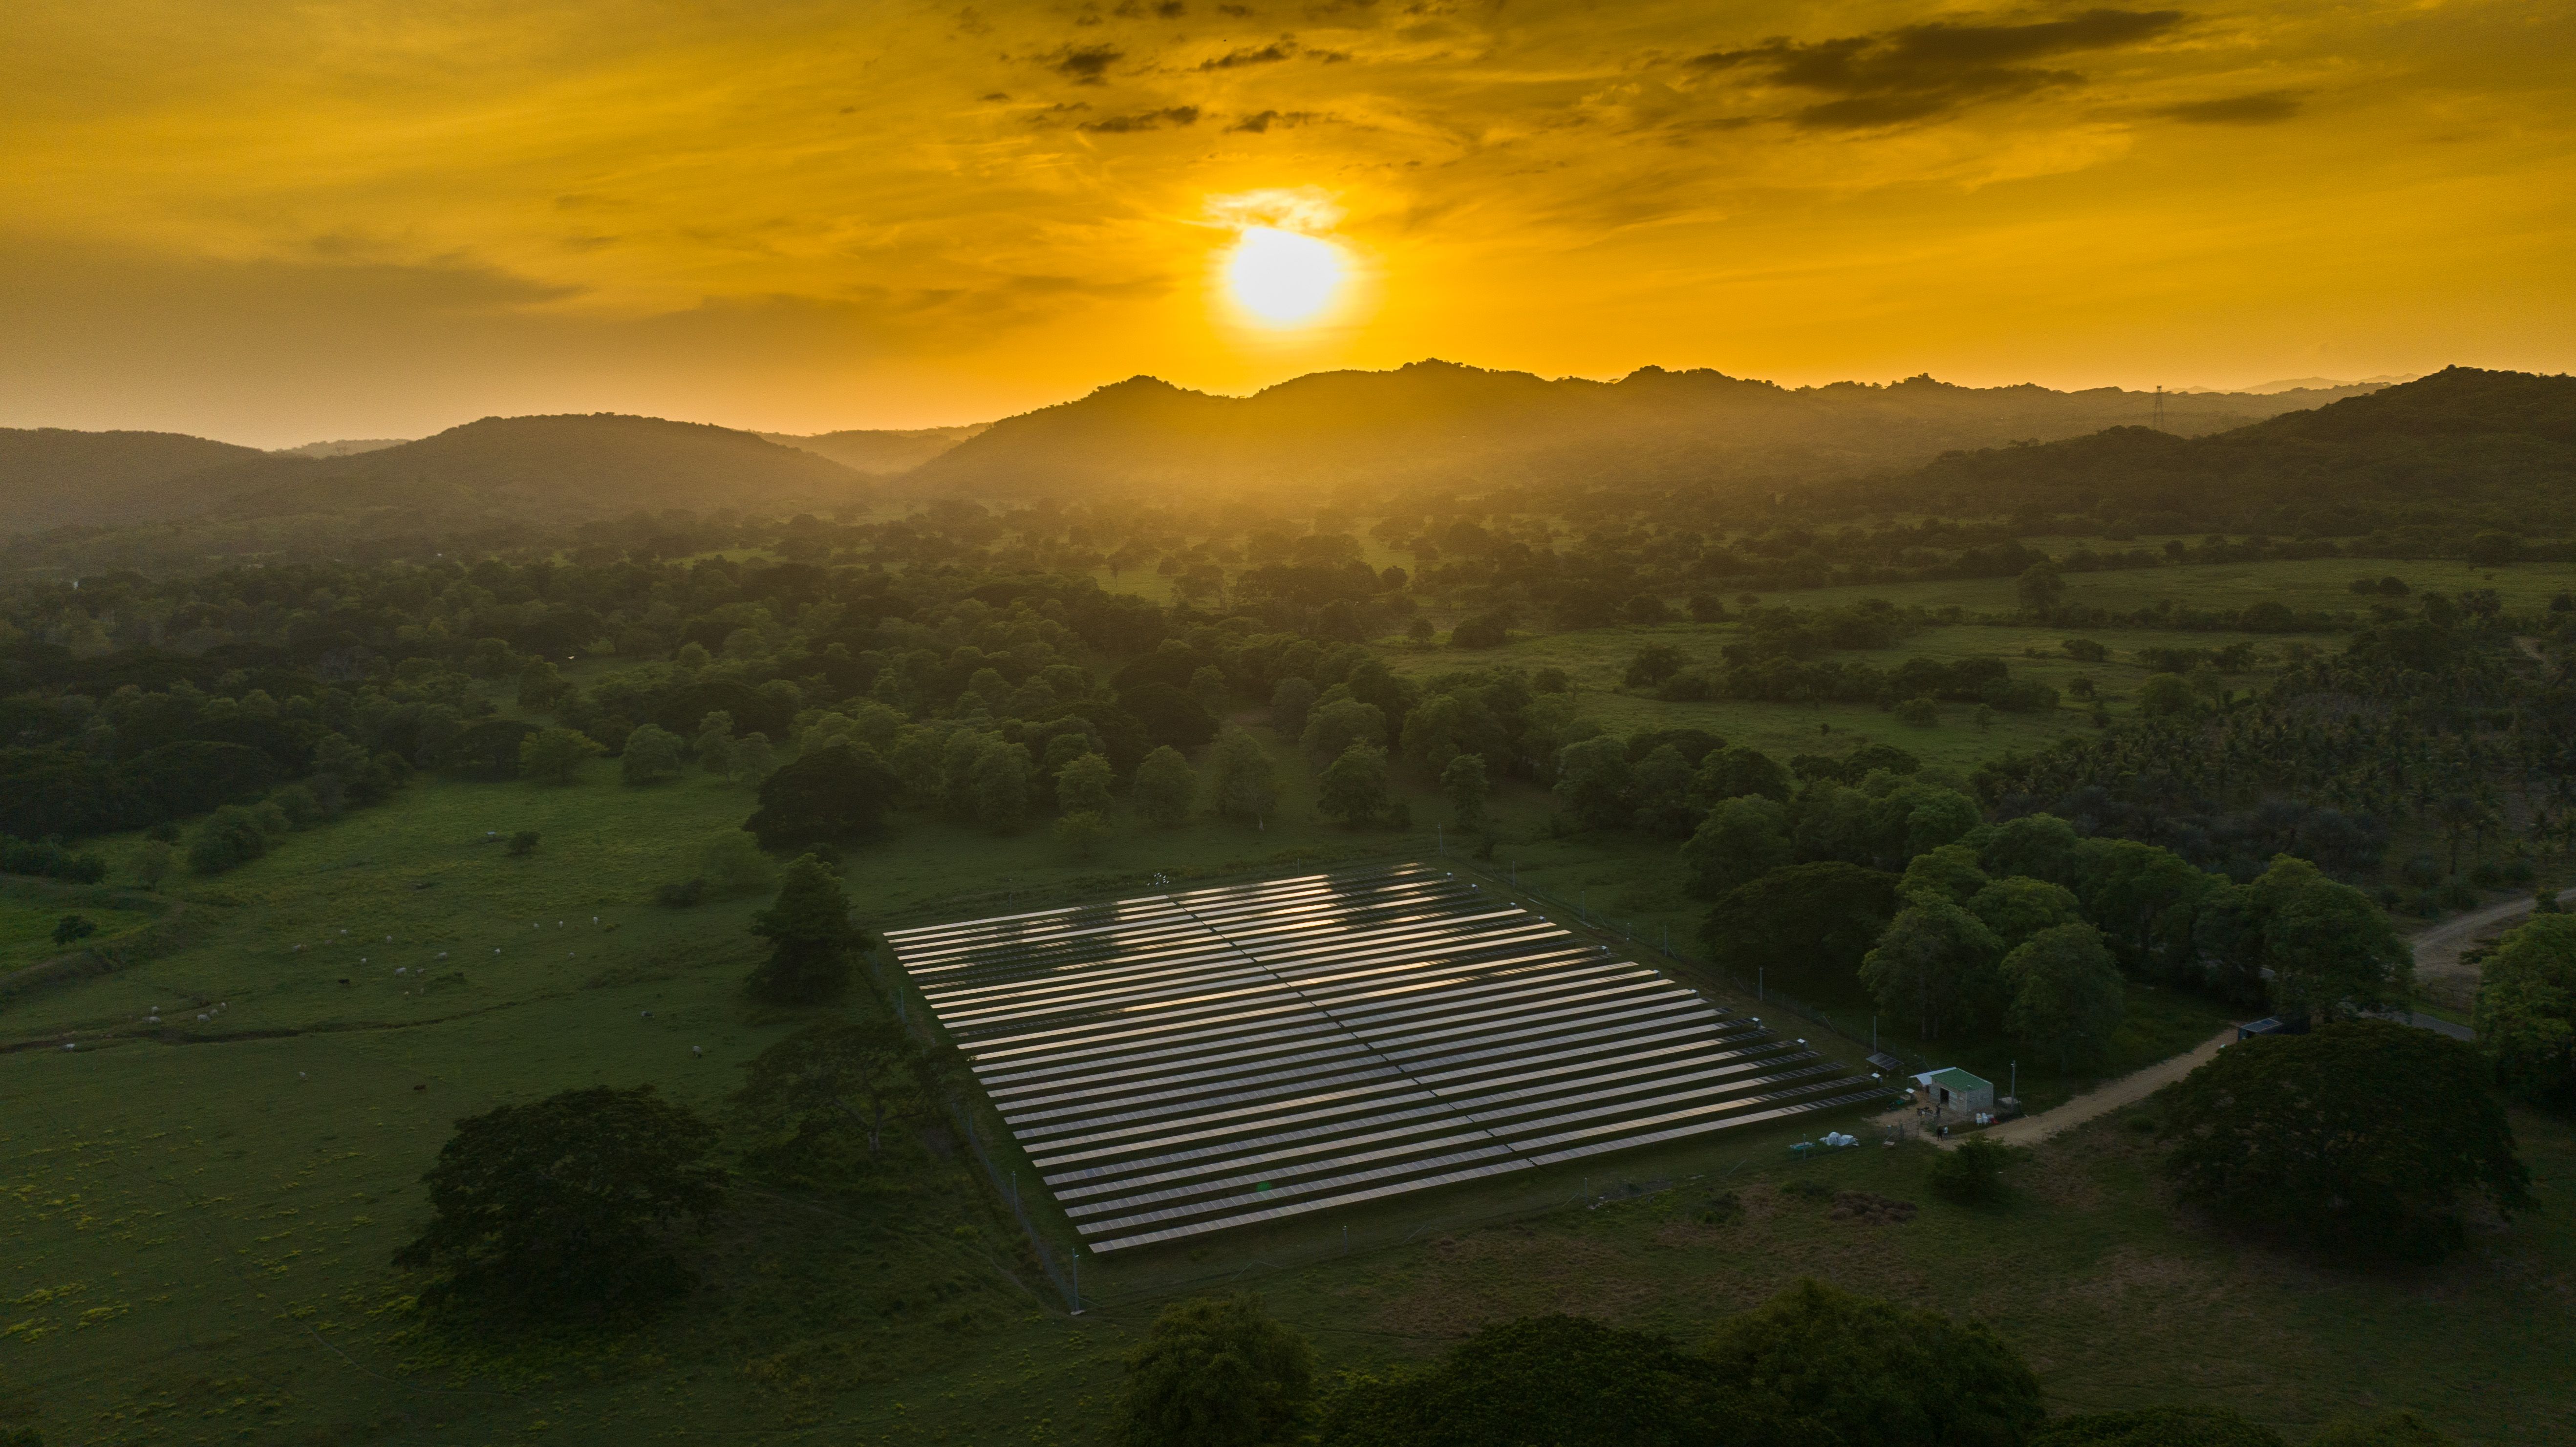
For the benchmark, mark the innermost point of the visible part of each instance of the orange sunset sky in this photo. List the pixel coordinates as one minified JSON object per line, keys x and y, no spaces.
{"x":273,"y":223}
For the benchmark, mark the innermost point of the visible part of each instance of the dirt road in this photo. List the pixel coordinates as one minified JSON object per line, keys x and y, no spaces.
{"x":2439,"y":972}
{"x":2129,"y":1089}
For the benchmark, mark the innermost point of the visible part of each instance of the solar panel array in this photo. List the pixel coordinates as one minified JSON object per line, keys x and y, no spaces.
{"x":1212,"y":1058}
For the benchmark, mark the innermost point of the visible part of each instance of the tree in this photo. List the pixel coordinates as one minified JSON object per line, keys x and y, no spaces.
{"x":1593,"y":778}
{"x":1741,"y":840}
{"x":1215,"y":1372}
{"x":1000,"y":781}
{"x":652,"y":752}
{"x":1081,"y":832}
{"x":2158,"y":1427}
{"x":714,"y":745}
{"x":1290,"y":702}
{"x":807,"y":1093}
{"x":1661,"y":786}
{"x":1971,"y":1172}
{"x":72,"y":929}
{"x":1082,"y":786}
{"x":1937,"y":960}
{"x":228,"y":837}
{"x":1563,"y":1381}
{"x":1921,"y":713}
{"x":152,"y":863}
{"x":1164,"y":787}
{"x":1334,"y":727}
{"x":732,"y":865}
{"x":2360,"y":1137}
{"x":2040,"y":588}
{"x":1950,"y":871}
{"x":2329,"y":949}
{"x":2526,"y":1020}
{"x":2066,"y":993}
{"x":560,"y":1206}
{"x":1241,"y":777}
{"x":810,"y":935}
{"x":541,"y":686}
{"x":555,"y":755}
{"x":1353,"y":787}
{"x":1731,"y":773}
{"x":753,"y":758}
{"x":1804,"y":929}
{"x":1463,"y":781}
{"x":1871,"y":1371}
{"x":2166,"y":695}
{"x":2015,"y":909}
{"x":1170,"y":717}
{"x":838,"y":792}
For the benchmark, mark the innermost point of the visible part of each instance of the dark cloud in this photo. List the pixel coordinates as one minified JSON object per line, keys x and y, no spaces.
{"x":1263,"y":121}
{"x":1144,"y":120}
{"x":1084,"y":64}
{"x":1271,"y":54}
{"x":1920,"y":71}
{"x":2260,"y":109}
{"x":1171,"y":9}
{"x":1237,"y":11}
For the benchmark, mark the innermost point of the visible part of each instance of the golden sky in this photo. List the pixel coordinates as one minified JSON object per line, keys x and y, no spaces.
{"x":273,"y":222}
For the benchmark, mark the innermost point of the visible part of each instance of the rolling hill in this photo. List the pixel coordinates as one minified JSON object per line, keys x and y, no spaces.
{"x":2464,"y":441}
{"x":50,"y":476}
{"x":1436,"y":423}
{"x":542,"y":470}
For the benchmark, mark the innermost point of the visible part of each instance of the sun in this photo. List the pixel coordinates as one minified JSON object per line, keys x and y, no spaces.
{"x":1283,"y":278}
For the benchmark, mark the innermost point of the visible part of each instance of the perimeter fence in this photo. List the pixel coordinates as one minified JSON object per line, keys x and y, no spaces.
{"x":1176,"y":1271}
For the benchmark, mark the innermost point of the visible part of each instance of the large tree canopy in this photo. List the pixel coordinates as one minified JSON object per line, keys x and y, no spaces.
{"x":2361,"y":1137}
{"x":560,"y":1206}
{"x":837,"y":792}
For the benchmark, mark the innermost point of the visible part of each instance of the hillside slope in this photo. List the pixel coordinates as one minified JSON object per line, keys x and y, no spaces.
{"x":554,"y":469}
{"x":50,"y":476}
{"x":1439,"y":424}
{"x":2466,"y":441}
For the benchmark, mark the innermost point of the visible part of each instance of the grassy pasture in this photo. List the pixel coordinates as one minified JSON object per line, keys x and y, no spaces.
{"x":200,"y":1218}
{"x":29,"y":911}
{"x":2321,"y":584}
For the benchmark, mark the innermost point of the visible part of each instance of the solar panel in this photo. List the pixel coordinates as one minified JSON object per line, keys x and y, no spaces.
{"x":1212,"y":1058}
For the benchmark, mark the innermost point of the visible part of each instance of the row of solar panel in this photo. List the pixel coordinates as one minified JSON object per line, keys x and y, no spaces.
{"x":1204,"y":1060}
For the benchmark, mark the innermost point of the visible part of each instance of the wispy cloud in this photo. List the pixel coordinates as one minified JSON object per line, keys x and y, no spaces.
{"x":2262,"y":108}
{"x":1917,"y":72}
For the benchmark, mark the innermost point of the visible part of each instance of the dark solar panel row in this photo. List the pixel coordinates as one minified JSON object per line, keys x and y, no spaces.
{"x":1211,"y":1058}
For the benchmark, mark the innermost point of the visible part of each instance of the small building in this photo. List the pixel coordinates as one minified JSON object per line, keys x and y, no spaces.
{"x":1956,"y":1091}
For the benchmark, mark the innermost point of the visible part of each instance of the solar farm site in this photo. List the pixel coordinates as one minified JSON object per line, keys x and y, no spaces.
{"x":1212,"y":1058}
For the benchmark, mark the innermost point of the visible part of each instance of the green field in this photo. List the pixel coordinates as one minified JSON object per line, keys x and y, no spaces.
{"x":30,"y":910}
{"x":201,"y":1216}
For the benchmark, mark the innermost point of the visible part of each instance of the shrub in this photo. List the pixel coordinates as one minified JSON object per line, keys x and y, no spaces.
{"x":523,"y":843}
{"x":681,"y":895}
{"x":1871,"y":1371}
{"x":1485,"y":630}
{"x":72,"y":929}
{"x":1215,"y":1372}
{"x":228,"y":838}
{"x":1081,"y":832}
{"x":1922,"y":713}
{"x":732,"y":865}
{"x":1971,"y":1172}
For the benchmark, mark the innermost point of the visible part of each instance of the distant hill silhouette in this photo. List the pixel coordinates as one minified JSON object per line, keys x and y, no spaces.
{"x":1437,"y":423}
{"x":344,"y":447}
{"x":532,"y":469}
{"x":879,"y":452}
{"x":50,"y":476}
{"x":2458,"y":439}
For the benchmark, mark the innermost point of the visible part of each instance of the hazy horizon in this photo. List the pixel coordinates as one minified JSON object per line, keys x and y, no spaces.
{"x":281,"y":442}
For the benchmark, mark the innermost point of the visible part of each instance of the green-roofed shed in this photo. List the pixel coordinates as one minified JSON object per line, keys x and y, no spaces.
{"x":1955,"y":1090}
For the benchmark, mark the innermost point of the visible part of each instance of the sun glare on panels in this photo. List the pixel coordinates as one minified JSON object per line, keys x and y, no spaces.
{"x":1200,"y":1060}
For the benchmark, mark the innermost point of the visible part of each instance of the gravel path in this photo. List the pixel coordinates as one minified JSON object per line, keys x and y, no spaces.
{"x":2129,"y":1089}
{"x":2439,"y":972}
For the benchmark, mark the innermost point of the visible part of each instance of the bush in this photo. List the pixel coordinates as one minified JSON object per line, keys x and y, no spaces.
{"x":1080,"y":832}
{"x":523,"y":843}
{"x":72,"y":929}
{"x":49,"y":860}
{"x":1971,"y":1172}
{"x":301,"y":808}
{"x":560,"y":1207}
{"x":1922,"y":713}
{"x":682,"y":895}
{"x":1485,"y":630}
{"x":228,"y":838}
{"x":731,"y":865}
{"x":1215,"y":1372}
